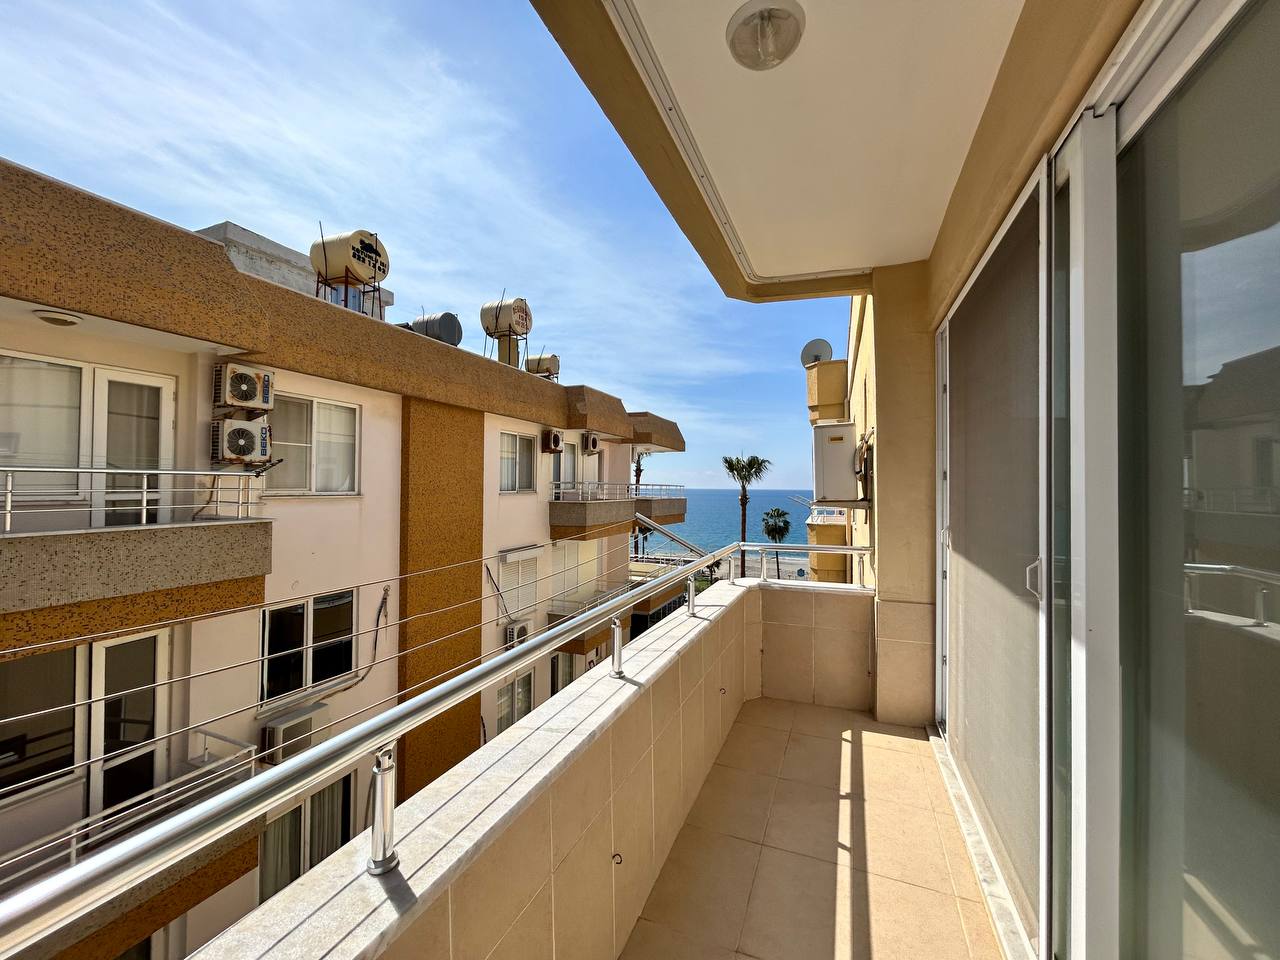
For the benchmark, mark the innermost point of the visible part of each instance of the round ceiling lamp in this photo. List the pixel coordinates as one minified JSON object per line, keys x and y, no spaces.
{"x":763,"y":33}
{"x":56,"y":319}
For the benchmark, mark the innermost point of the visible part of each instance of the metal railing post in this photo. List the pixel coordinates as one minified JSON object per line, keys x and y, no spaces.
{"x":615,"y":635}
{"x":764,"y":567}
{"x":8,"y":501}
{"x":144,"y":498}
{"x":382,"y":836}
{"x":691,"y":595}
{"x":242,"y":498}
{"x":1260,"y":606}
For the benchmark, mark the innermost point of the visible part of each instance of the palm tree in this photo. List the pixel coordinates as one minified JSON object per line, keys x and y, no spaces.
{"x":745,"y":471}
{"x":639,"y":462}
{"x":776,"y":527}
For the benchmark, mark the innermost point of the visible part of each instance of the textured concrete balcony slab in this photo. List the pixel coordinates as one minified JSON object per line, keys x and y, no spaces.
{"x":664,"y":510}
{"x":585,"y":518}
{"x":40,"y":570}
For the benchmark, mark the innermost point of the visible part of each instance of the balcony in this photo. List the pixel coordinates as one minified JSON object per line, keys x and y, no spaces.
{"x":73,"y":535}
{"x":570,"y":605}
{"x":589,"y":507}
{"x":729,"y":793}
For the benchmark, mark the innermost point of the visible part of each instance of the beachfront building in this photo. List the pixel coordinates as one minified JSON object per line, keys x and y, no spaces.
{"x":1048,"y":729}
{"x":213,"y":533}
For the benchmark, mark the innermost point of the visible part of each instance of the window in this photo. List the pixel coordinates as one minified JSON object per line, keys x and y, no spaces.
{"x":317,"y":442}
{"x":518,"y":583}
{"x":561,"y":671}
{"x":515,"y":699}
{"x":296,"y":841}
{"x":40,"y":407}
{"x":45,"y":744}
{"x":516,"y":463}
{"x":564,"y":470}
{"x":297,"y":662}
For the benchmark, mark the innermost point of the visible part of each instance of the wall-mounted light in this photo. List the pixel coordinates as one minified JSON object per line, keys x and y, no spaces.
{"x":763,"y":33}
{"x":56,"y":319}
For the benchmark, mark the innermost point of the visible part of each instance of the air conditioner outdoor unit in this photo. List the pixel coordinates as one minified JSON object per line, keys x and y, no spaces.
{"x":293,"y":732}
{"x":516,"y":632}
{"x":248,"y":388}
{"x":552,"y":441}
{"x":590,"y":443}
{"x":833,"y":469}
{"x":240,"y":441}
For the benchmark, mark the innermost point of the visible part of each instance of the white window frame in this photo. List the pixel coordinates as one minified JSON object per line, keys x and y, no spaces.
{"x":304,"y":837}
{"x":533,"y":446}
{"x":90,"y":427}
{"x":309,"y":688}
{"x":513,"y":596}
{"x":97,"y":713}
{"x":310,"y":489}
{"x":516,"y":716}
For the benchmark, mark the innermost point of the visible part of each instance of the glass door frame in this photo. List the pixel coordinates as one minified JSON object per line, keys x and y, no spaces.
{"x":102,"y":379}
{"x":97,"y":714}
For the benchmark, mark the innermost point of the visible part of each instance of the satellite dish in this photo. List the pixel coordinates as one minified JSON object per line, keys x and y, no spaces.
{"x":815,"y":351}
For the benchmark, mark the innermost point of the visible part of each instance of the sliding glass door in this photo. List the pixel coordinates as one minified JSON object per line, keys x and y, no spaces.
{"x":1199,"y":232}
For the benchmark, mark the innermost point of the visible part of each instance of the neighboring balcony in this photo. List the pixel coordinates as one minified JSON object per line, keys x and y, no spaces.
{"x":579,"y":601}
{"x":591,"y":509}
{"x":662,"y":503}
{"x":72,"y":535}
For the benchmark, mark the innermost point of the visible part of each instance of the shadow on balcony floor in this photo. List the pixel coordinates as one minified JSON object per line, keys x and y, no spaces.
{"x":819,"y":833}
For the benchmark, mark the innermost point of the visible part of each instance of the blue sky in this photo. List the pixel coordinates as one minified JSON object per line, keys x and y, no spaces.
{"x":460,"y":134}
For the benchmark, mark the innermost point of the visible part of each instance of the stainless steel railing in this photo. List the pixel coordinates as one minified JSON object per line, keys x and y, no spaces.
{"x":1261,"y":580}
{"x":862,"y":553}
{"x":61,"y":899}
{"x":611,"y":490}
{"x":63,"y":498}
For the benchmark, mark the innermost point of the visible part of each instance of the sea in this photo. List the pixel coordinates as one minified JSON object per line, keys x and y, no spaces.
{"x":712,"y":518}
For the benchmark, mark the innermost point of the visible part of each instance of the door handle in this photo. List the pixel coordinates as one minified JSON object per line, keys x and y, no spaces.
{"x":1033,"y":578}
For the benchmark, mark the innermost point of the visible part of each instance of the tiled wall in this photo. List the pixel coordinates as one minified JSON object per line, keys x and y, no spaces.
{"x":814,"y":643}
{"x":548,"y":838}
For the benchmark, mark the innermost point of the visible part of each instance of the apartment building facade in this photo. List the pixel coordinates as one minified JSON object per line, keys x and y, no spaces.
{"x":174,"y":623}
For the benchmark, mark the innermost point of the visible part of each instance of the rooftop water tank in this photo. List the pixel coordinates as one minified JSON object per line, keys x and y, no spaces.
{"x":544,"y":365}
{"x":507,"y":318}
{"x":444,"y":327}
{"x":358,"y":254}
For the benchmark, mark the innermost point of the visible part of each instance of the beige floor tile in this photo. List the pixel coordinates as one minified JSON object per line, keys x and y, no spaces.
{"x":869,"y":732}
{"x":963,"y":880}
{"x":822,"y":762}
{"x":939,"y":796}
{"x":832,"y":723}
{"x":703,"y":887}
{"x":766,"y":712}
{"x":978,"y":931}
{"x":892,"y":775}
{"x":758,"y":749}
{"x":898,"y":841}
{"x":800,"y":909}
{"x":652,"y":941}
{"x":735,"y":802}
{"x":809,"y":820}
{"x":909,"y":922}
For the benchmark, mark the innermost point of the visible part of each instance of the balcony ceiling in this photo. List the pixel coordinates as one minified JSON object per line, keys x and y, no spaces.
{"x":840,"y":159}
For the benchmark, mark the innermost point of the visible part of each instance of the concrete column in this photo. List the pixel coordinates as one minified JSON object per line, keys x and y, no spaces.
{"x":902,"y":520}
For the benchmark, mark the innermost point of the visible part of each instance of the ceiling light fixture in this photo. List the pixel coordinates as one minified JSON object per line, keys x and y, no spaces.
{"x":763,"y":33}
{"x":55,"y":319}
